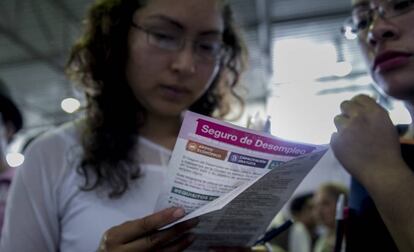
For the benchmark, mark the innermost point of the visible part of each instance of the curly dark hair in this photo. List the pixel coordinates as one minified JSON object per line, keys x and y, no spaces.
{"x":97,"y":62}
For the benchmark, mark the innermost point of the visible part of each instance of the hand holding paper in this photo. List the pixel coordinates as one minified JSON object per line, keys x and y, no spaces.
{"x":235,"y":179}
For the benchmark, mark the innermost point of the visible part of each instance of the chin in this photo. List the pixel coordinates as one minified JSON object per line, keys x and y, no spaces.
{"x":402,"y":96}
{"x":398,"y":89}
{"x":169,"y":111}
{"x":400,"y":93}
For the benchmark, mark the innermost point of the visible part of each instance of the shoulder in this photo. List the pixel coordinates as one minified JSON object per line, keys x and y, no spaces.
{"x":50,"y":153}
{"x":56,"y":140}
{"x":62,"y":136}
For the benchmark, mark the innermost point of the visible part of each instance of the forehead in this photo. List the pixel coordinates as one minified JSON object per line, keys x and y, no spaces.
{"x":204,"y":14}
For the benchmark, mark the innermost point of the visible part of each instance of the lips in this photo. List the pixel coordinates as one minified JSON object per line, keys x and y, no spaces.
{"x":390,"y":60}
{"x":173,"y":92}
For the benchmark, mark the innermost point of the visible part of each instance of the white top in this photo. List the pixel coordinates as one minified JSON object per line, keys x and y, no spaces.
{"x":47,"y":211}
{"x":299,"y":238}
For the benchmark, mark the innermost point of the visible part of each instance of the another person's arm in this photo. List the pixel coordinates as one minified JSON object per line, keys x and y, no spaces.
{"x":367,"y":145}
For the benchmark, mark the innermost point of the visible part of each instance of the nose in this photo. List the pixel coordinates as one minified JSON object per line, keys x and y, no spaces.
{"x":183,"y":61}
{"x":381,"y":30}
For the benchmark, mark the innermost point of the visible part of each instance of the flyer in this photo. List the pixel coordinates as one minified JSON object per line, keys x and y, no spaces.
{"x":234,"y":179}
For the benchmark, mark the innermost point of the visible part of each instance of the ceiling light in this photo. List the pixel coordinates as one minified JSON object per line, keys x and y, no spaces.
{"x":70,"y":105}
{"x":349,"y":34}
{"x":14,"y":159}
{"x":342,"y":69}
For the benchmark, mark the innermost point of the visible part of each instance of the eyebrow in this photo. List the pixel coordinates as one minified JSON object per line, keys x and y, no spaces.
{"x":181,"y":27}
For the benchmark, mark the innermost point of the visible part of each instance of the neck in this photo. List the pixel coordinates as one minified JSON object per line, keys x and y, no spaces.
{"x":162,"y":130}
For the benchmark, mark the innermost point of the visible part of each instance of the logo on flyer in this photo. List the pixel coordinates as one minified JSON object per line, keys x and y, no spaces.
{"x":238,"y":158}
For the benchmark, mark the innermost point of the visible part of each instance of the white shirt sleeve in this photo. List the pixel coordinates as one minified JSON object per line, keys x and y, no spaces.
{"x":31,"y":222}
{"x":46,"y":210}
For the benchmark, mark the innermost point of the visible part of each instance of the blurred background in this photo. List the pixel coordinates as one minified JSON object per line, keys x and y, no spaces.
{"x":301,"y":66}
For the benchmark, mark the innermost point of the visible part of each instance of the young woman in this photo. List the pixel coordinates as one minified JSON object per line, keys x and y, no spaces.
{"x":377,"y":154}
{"x":92,"y":184}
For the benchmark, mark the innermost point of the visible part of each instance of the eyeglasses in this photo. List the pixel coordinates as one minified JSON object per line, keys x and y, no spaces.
{"x":206,"y":50}
{"x":363,"y":17}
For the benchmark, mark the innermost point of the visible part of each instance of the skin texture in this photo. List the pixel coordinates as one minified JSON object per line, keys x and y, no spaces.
{"x":394,"y":34}
{"x":367,"y":143}
{"x":152,"y":73}
{"x":143,"y":234}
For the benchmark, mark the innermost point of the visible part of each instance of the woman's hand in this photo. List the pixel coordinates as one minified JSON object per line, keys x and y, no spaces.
{"x":144,"y":234}
{"x":367,"y":140}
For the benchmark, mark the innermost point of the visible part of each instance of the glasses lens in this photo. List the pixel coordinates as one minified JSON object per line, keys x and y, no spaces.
{"x":209,"y":50}
{"x":164,"y":40}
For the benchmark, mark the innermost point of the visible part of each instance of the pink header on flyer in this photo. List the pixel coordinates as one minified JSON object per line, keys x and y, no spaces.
{"x":250,"y":141}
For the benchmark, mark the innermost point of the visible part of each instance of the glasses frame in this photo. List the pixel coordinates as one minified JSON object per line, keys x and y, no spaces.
{"x":372,"y":13}
{"x":221,"y":54}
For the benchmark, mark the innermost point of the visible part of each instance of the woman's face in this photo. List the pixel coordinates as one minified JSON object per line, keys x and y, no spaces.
{"x":388,"y":46}
{"x":324,"y":207}
{"x":166,"y":78}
